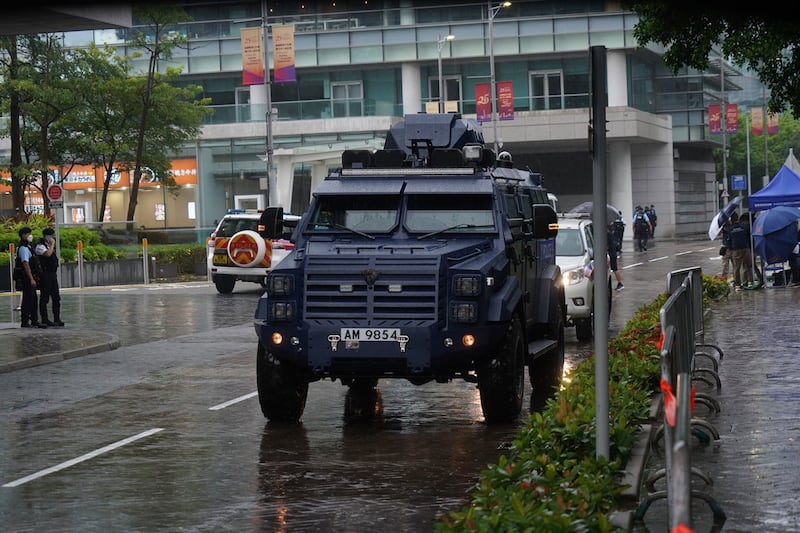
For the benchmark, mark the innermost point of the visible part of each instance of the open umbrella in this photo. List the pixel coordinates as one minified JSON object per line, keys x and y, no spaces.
{"x":775,"y":233}
{"x":722,"y":217}
{"x":612,"y":213}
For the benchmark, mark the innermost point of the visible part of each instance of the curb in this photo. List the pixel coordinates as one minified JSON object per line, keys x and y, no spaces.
{"x":36,"y":360}
{"x":634,"y":469}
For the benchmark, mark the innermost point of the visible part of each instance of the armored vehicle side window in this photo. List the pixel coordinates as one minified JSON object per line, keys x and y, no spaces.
{"x":462,"y":213}
{"x":368,"y":213}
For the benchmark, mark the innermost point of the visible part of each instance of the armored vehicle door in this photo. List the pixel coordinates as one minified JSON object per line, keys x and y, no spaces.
{"x":520,"y":254}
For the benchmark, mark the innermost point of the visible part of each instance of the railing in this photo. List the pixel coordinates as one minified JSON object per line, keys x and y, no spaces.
{"x":682,"y":326}
{"x":360,"y":107}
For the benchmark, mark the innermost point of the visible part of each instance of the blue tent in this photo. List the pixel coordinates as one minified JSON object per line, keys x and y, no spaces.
{"x":783,"y":189}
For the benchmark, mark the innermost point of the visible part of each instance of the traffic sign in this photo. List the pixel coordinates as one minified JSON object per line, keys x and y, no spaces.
{"x":739,"y":183}
{"x":55,"y":192}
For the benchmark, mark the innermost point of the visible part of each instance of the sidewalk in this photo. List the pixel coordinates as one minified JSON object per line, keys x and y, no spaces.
{"x":27,"y":347}
{"x":753,"y":465}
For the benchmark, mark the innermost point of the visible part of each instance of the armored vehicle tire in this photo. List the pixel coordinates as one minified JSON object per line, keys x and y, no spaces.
{"x":545,"y":372}
{"x":363,"y":400}
{"x":282,"y":391}
{"x":224,"y":284}
{"x":501,"y":379}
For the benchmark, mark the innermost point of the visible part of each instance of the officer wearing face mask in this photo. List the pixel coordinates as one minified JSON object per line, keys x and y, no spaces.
{"x":28,"y":281}
{"x":48,"y":284}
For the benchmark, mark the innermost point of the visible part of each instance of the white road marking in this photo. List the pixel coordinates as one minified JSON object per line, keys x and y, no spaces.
{"x":82,"y":458}
{"x":653,"y":260}
{"x":631,"y":266}
{"x":684,"y":253}
{"x":231,"y":402}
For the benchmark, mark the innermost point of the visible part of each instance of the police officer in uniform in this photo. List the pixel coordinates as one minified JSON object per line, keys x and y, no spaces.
{"x":48,"y":287}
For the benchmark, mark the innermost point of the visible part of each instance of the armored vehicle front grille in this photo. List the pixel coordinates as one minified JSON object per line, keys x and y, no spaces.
{"x":381,"y":290}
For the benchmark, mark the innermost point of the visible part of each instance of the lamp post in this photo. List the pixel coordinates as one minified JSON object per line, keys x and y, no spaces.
{"x":270,"y":181}
{"x":492,"y":12}
{"x":441,"y":40}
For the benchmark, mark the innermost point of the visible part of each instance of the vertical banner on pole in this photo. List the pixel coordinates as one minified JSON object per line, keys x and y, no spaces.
{"x":757,"y":121}
{"x":483,"y":107}
{"x":772,"y":123}
{"x":731,"y":118}
{"x":252,"y":57}
{"x":505,"y":100}
{"x":283,"y":48}
{"x":714,"y":119}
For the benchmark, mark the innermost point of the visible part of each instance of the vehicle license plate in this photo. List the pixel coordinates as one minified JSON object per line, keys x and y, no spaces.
{"x":370,"y":334}
{"x":220,"y":259}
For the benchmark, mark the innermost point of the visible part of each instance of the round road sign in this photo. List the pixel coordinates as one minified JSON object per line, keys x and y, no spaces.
{"x":55,"y":192}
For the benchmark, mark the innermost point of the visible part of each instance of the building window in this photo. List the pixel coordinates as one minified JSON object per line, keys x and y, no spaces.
{"x":347,"y":99}
{"x":546,"y":89}
{"x":451,"y":86}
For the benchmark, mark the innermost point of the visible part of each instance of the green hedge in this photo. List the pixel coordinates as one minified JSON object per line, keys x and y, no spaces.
{"x":184,"y":255}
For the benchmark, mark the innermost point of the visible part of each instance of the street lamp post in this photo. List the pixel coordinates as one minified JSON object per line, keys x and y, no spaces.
{"x":441,"y":40}
{"x":492,"y":12}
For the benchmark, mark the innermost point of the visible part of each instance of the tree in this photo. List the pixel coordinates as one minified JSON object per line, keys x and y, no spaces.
{"x":107,"y":123}
{"x":47,"y":97}
{"x":777,"y":149}
{"x":168,"y":115}
{"x":11,"y":66}
{"x":763,"y":40}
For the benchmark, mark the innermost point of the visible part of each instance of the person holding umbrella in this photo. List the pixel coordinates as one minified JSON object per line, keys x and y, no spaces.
{"x":794,"y":257}
{"x":740,"y":245}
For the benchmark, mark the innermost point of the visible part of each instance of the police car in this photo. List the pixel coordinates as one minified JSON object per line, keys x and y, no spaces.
{"x":238,"y":252}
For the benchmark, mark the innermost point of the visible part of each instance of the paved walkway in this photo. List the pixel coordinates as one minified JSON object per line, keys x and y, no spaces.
{"x":753,"y":465}
{"x":26,"y":347}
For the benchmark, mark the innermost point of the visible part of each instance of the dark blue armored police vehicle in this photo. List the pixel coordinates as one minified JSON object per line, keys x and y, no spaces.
{"x":429,"y":260}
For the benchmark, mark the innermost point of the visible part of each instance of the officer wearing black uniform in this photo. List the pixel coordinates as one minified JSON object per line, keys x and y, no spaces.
{"x":48,"y":286}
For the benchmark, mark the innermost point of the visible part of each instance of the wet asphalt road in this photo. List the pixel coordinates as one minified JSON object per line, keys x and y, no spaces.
{"x":165,"y":432}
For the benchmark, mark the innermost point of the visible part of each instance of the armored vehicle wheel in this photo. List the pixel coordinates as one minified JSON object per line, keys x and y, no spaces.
{"x":363,"y":400}
{"x":501,"y":379}
{"x":282,"y":391}
{"x":224,"y":284}
{"x":545,"y":372}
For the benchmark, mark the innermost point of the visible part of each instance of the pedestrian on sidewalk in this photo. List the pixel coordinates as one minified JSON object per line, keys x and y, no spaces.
{"x":727,"y":256}
{"x":28,"y":280}
{"x":48,"y":286}
{"x":794,"y":263}
{"x":740,"y":246}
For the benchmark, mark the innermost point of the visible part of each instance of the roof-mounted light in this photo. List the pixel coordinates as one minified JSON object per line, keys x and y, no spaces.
{"x":473,"y":152}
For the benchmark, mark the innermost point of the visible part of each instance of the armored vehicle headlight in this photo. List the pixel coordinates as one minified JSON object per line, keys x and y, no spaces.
{"x":281,"y":285}
{"x":282,"y":311}
{"x":464,"y":312}
{"x":467,"y":285}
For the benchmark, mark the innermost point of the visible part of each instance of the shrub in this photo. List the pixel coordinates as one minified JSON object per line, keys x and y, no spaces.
{"x":552,"y":480}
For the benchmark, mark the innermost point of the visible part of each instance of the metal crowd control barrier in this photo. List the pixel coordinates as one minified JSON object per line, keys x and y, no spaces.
{"x":679,"y":333}
{"x":674,"y":280}
{"x":709,"y":376}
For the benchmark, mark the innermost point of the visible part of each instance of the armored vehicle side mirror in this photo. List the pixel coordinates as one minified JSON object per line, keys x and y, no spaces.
{"x":270,"y":226}
{"x":545,"y":221}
